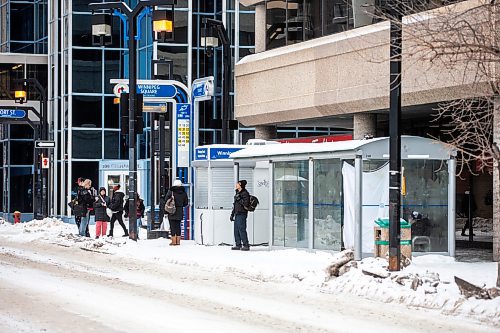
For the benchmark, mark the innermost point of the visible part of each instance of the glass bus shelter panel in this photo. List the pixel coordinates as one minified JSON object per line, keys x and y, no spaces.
{"x":327,"y":205}
{"x":427,"y":193}
{"x":290,"y":201}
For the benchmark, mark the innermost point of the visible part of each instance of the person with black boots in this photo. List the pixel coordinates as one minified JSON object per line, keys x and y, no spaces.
{"x":116,"y":207}
{"x":181,"y":200}
{"x":239,"y":216}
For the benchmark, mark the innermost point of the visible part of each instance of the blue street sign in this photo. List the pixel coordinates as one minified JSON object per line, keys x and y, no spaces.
{"x":156,"y":90}
{"x":201,"y":154}
{"x":203,"y":88}
{"x":12,"y":113}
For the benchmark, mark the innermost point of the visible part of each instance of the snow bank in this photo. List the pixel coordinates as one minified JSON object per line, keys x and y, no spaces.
{"x":428,"y":282}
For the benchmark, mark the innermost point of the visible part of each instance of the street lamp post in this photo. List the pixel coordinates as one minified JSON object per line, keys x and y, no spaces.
{"x":41,"y":208}
{"x":213,"y":31}
{"x":395,"y":140}
{"x":131,"y":15}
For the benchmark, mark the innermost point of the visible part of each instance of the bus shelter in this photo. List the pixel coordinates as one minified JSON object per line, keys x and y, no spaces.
{"x":327,"y":195}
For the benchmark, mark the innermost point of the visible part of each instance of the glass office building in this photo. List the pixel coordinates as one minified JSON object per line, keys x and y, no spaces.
{"x":83,"y":119}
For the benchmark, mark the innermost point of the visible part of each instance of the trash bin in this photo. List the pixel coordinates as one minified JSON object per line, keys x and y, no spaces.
{"x":381,"y":233}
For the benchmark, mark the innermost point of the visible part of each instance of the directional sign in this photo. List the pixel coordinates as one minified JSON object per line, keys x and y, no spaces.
{"x":12,"y":114}
{"x":203,"y":88}
{"x":45,"y":144}
{"x":45,"y":163}
{"x":148,"y":90}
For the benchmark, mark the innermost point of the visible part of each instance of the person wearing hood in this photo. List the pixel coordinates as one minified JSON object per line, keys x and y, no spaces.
{"x":102,"y":202}
{"x":178,"y":192}
{"x":116,"y":207}
{"x":239,"y":216}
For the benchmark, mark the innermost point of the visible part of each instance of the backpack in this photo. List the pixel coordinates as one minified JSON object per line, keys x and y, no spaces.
{"x":170,"y":205}
{"x":254,"y":202}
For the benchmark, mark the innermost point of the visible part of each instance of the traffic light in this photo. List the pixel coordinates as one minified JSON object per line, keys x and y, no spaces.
{"x":138,"y":121}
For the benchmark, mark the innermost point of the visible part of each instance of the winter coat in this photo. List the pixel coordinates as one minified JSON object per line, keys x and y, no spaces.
{"x":139,"y":204}
{"x":241,"y":200}
{"x":84,"y":197}
{"x":100,"y":206}
{"x":181,"y":201}
{"x":117,"y":202}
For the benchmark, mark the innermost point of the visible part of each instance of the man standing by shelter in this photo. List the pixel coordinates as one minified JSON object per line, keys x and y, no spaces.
{"x":239,"y":216}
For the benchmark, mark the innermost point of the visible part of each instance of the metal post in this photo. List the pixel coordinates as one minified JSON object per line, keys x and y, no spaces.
{"x":152,"y":192}
{"x":452,"y":164}
{"x":225,"y":97}
{"x":395,"y":141}
{"x":470,"y":218}
{"x":132,"y":68}
{"x":358,"y":208}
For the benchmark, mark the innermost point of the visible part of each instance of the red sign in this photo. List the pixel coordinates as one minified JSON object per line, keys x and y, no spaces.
{"x":45,"y":163}
{"x":318,"y":139}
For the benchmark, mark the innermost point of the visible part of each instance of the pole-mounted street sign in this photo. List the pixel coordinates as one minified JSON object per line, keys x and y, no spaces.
{"x":45,"y":144}
{"x":203,"y":88}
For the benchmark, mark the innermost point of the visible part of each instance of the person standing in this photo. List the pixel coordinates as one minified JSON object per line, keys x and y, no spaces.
{"x":139,"y":204}
{"x":86,"y":197}
{"x":116,"y":206}
{"x":239,"y":216}
{"x":181,"y":201}
{"x":101,"y":203}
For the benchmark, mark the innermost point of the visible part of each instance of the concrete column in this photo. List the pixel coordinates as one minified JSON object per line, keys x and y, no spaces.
{"x":260,"y":28}
{"x":364,"y":124}
{"x":265,"y":132}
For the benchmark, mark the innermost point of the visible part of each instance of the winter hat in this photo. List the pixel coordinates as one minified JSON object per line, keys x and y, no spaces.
{"x":242,"y":183}
{"x":177,"y":182}
{"x":102,"y":188}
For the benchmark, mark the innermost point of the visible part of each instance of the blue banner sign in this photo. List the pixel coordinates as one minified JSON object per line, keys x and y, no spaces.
{"x":156,"y":90}
{"x":222,"y":153}
{"x":12,"y":113}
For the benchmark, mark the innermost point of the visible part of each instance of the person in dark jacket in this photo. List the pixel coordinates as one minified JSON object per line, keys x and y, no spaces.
{"x":139,"y":206}
{"x":101,"y":202}
{"x":116,"y":206}
{"x":239,"y":216}
{"x":86,"y":198}
{"x":181,"y":201}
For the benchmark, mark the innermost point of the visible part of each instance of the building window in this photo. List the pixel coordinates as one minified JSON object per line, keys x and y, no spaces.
{"x":87,"y":144}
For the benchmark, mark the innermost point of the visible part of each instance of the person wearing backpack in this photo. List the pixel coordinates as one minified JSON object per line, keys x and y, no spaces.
{"x":176,"y":200}
{"x":117,"y":207}
{"x":239,"y":216}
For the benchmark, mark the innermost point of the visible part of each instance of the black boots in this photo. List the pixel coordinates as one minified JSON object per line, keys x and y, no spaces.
{"x":236,"y":247}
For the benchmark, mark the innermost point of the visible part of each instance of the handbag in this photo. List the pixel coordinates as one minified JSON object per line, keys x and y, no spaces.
{"x":109,"y":212}
{"x":170,"y":205}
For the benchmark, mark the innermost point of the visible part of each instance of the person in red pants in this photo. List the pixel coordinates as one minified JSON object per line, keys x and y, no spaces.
{"x":101,"y":217}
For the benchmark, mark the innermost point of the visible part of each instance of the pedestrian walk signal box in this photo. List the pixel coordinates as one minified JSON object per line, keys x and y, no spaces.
{"x":124,"y":115}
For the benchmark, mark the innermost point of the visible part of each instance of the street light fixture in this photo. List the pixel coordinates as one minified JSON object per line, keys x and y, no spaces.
{"x":102,"y":26}
{"x":20,"y":96}
{"x":163,"y":24}
{"x":208,"y":38}
{"x":212,"y":32}
{"x":131,"y":16}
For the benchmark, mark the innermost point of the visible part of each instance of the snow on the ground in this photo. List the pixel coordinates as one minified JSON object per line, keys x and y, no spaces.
{"x":307,"y":268}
